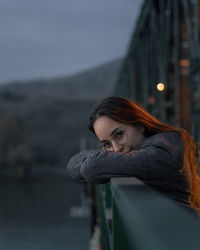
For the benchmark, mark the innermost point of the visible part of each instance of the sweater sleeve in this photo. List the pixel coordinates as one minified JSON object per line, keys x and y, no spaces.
{"x":155,"y":162}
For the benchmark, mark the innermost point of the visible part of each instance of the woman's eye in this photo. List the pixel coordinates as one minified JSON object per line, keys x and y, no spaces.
{"x":119,"y":134}
{"x":107,"y":145}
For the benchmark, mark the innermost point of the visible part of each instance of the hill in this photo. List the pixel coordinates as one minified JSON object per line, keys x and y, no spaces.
{"x":93,"y":83}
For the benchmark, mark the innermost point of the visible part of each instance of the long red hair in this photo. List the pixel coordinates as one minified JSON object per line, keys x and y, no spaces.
{"x":126,"y":111}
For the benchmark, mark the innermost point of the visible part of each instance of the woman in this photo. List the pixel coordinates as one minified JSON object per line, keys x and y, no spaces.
{"x":134,"y":143}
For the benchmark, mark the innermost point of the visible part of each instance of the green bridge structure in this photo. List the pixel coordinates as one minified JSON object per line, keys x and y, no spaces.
{"x":164,"y":49}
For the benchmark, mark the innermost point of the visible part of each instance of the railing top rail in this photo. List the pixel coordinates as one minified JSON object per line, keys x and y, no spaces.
{"x":152,"y":221}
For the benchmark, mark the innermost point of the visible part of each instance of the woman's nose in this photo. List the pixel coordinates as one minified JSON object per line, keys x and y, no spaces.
{"x":116,"y":147}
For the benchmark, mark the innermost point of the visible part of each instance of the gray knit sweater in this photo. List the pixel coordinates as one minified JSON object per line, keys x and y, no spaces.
{"x":156,"y":161}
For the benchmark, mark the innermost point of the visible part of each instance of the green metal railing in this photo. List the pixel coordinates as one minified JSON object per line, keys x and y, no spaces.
{"x":133,"y":216}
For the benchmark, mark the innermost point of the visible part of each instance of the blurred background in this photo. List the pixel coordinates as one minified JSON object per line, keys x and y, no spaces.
{"x":58,"y":58}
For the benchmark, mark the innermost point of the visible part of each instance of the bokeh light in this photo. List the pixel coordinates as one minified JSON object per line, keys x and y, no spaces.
{"x":160,"y":86}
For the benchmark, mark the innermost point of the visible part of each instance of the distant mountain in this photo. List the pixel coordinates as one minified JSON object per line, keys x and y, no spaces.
{"x":94,"y":83}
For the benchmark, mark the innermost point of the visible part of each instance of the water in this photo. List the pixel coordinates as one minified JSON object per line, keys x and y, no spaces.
{"x":36,"y":216}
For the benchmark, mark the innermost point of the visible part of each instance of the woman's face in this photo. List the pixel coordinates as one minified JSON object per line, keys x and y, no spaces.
{"x":117,"y":136}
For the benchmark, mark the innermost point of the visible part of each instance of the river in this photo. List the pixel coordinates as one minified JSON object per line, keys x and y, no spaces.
{"x":38,"y":215}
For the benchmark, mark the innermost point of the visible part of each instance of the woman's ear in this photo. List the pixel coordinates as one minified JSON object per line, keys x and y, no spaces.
{"x":141,"y":129}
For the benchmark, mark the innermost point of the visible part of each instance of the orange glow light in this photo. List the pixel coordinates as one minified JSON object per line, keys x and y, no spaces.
{"x":160,"y":86}
{"x":184,"y":63}
{"x":151,"y":100}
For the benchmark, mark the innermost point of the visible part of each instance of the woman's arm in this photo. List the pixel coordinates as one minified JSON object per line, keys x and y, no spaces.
{"x":149,"y":164}
{"x":155,"y":161}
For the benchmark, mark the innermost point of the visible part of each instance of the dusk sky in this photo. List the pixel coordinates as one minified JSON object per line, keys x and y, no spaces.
{"x":48,"y":38}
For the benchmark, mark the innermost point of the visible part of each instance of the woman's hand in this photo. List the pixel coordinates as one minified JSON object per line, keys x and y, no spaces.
{"x":75,"y":163}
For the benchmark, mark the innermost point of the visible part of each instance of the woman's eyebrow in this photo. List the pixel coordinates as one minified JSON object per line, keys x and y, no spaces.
{"x":103,"y":141}
{"x":114,"y":131}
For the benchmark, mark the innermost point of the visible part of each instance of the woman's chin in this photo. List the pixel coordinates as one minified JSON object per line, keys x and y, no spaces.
{"x":128,"y":150}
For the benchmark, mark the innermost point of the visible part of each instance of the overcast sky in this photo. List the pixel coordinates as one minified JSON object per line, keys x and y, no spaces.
{"x":47,"y":38}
